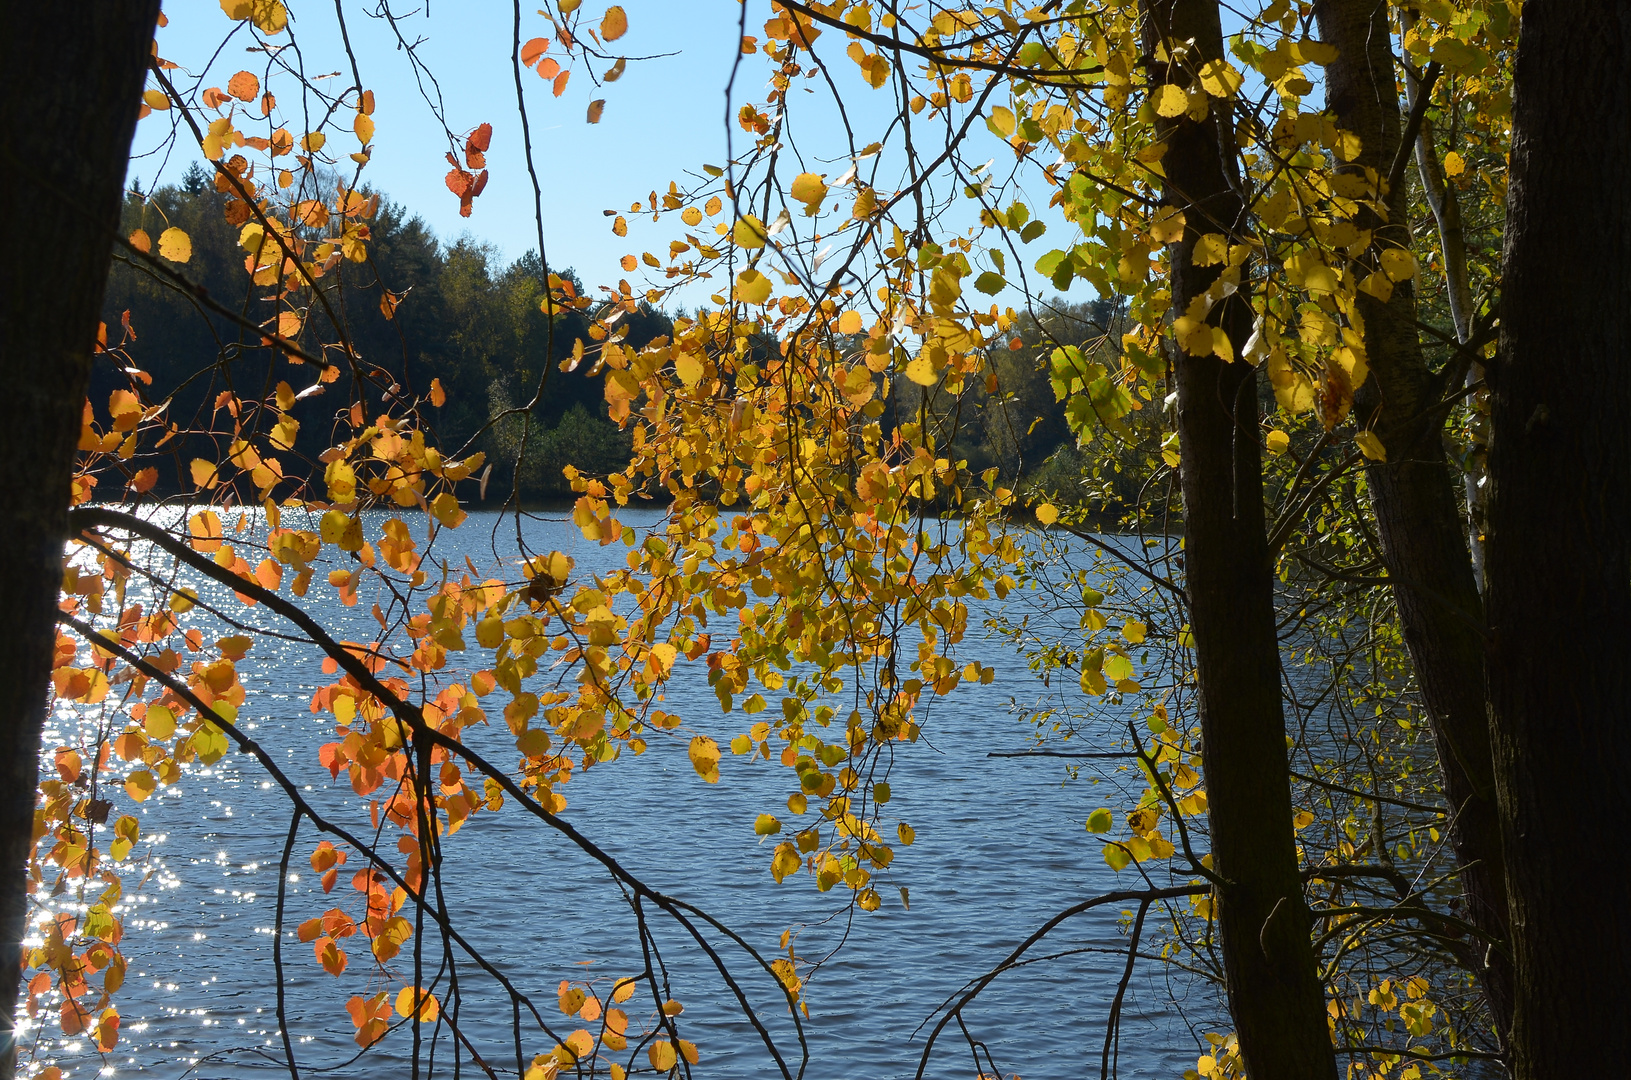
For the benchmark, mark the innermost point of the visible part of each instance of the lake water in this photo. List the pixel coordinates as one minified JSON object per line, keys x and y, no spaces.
{"x":1000,"y":848}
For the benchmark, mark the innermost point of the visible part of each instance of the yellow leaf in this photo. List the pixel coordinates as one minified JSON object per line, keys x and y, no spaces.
{"x":704,"y":753}
{"x":749,"y":232}
{"x":204,"y":473}
{"x":752,"y":287}
{"x":614,"y":24}
{"x":1211,"y":249}
{"x":1371,"y":446}
{"x":849,"y":322}
{"x":364,"y":127}
{"x":156,"y":100}
{"x":1454,"y":164}
{"x":1277,"y":441}
{"x":662,"y":1056}
{"x":1377,"y":284}
{"x":766,"y":825}
{"x":1100,"y":821}
{"x":175,"y":245}
{"x":313,"y":141}
{"x":1220,"y":79}
{"x":445,"y":507}
{"x":1047,"y":513}
{"x":809,"y":189}
{"x":411,"y":998}
{"x":1170,"y":100}
{"x":1167,"y":225}
{"x":922,"y":372}
{"x":159,"y":722}
{"x":689,"y":369}
{"x":140,"y":784}
{"x":1310,"y":51}
{"x":1397,"y":263}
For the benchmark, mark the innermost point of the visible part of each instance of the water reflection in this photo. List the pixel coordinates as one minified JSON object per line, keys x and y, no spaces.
{"x":1000,"y":848}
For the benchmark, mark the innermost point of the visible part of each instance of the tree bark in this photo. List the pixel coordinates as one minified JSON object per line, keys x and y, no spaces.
{"x":1264,"y":926}
{"x":1413,"y":495}
{"x":1559,"y":569}
{"x":69,"y":91}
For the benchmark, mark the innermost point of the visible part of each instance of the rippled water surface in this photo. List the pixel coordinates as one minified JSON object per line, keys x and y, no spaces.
{"x":1000,"y":848}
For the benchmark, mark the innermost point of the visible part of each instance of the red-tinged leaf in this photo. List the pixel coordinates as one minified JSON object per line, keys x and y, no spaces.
{"x":458,"y":182}
{"x":548,"y":68}
{"x":480,"y":184}
{"x":532,"y":50}
{"x":596,"y":107}
{"x":560,"y":82}
{"x":144,"y":480}
{"x":215,"y":97}
{"x":481,"y":138}
{"x":438,"y":396}
{"x":244,"y":86}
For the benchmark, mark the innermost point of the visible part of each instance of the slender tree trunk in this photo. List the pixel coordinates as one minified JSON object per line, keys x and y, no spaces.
{"x":1559,"y":568}
{"x":1413,"y":494}
{"x":1446,"y":207}
{"x":1275,"y":997}
{"x":69,"y":91}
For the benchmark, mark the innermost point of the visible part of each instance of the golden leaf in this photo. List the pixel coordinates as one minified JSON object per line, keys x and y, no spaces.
{"x":1170,"y":100}
{"x":752,"y":287}
{"x":175,"y":245}
{"x":749,"y":232}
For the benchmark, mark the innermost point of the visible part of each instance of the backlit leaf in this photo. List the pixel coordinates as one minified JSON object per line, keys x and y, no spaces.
{"x":175,"y":245}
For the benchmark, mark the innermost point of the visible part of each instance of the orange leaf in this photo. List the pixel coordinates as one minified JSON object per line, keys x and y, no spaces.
{"x":244,"y":86}
{"x":596,"y":107}
{"x":614,"y":25}
{"x":141,"y":241}
{"x":560,"y":83}
{"x":532,"y":50}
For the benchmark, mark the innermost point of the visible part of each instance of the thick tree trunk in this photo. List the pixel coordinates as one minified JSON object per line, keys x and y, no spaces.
{"x":1275,"y":997}
{"x":70,"y":89}
{"x":1559,"y":570}
{"x":1413,"y":495}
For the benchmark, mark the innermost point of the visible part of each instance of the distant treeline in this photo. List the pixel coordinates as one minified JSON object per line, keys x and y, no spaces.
{"x":476,"y":325}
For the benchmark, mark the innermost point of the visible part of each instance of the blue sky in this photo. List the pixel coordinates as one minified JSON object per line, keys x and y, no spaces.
{"x":664,"y":117}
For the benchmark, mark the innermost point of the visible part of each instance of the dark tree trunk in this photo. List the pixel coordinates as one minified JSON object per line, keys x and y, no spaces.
{"x":69,"y":91}
{"x":1559,"y":569}
{"x":1275,"y":997}
{"x":1413,"y":494}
